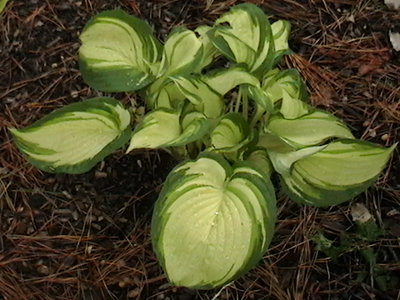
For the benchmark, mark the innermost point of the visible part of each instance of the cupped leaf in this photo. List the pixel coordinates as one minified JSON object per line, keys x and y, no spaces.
{"x":291,"y":107}
{"x":158,"y":128}
{"x":280,"y":32}
{"x":201,"y":95}
{"x":212,"y":222}
{"x":231,"y":133}
{"x":74,"y":138}
{"x":258,"y":156}
{"x":163,"y":128}
{"x":194,"y":126}
{"x":209,"y":50}
{"x":284,"y":160}
{"x":337,"y":173}
{"x":206,"y":92}
{"x":164,"y":93}
{"x":344,"y":163}
{"x":276,"y":81}
{"x":301,"y":191}
{"x":247,"y":39}
{"x":308,"y":130}
{"x":118,"y":52}
{"x":288,"y":87}
{"x":183,"y":52}
{"x":261,"y":98}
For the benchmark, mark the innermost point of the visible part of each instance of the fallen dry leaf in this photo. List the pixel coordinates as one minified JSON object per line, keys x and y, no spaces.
{"x":393,"y":4}
{"x":360,"y":213}
{"x":395,"y":39}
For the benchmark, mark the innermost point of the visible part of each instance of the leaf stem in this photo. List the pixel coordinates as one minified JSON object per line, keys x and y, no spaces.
{"x":180,"y":153}
{"x":238,"y":100}
{"x":257,"y":115}
{"x":245,"y":103}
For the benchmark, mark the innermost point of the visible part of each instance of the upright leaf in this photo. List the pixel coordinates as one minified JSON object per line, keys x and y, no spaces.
{"x":276,"y":81}
{"x":209,"y":50}
{"x":248,"y":38}
{"x":212,"y":222}
{"x":183,"y":52}
{"x":231,"y":133}
{"x":164,"y":93}
{"x":280,"y":32}
{"x":200,"y":94}
{"x":118,"y":52}
{"x":206,"y":92}
{"x":261,"y":98}
{"x":194,"y":126}
{"x":74,"y":138}
{"x":292,"y":107}
{"x":258,"y":156}
{"x":288,"y":87}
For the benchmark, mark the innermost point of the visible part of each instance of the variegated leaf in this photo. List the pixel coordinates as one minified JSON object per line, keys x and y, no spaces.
{"x":231,"y":133}
{"x":74,"y":138}
{"x":118,"y":52}
{"x":248,"y":38}
{"x":308,"y":130}
{"x":163,"y":128}
{"x":206,"y":92}
{"x":183,"y":52}
{"x":212,"y":221}
{"x":337,"y":173}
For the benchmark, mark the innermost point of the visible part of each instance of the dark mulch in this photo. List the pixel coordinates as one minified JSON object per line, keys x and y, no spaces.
{"x":87,"y":236}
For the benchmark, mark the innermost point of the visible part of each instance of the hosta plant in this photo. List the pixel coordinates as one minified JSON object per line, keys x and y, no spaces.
{"x":233,"y":127}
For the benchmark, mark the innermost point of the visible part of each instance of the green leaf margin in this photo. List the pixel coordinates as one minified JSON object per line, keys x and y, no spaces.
{"x":87,"y":164}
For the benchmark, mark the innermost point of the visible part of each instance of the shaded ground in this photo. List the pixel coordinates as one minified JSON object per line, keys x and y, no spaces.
{"x":87,"y":236}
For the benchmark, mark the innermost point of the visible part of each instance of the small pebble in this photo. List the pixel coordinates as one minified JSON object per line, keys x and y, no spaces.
{"x":66,"y":194}
{"x":89,"y":249}
{"x":99,"y":174}
{"x":74,"y":94}
{"x":134,"y":293}
{"x":372,"y":133}
{"x":42,"y":269}
{"x":75,"y":215}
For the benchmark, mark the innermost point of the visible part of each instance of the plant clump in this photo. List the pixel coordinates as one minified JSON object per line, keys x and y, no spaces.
{"x":214,"y":218}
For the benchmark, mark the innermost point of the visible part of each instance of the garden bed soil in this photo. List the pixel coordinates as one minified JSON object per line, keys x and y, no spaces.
{"x":88,"y":236}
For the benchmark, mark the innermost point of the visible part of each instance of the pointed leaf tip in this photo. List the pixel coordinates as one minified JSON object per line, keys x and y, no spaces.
{"x":336,"y":174}
{"x":76,"y":137}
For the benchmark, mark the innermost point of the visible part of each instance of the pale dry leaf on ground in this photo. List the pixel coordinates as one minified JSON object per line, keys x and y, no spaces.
{"x":393,"y":4}
{"x":360,"y":213}
{"x":395,"y":40}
